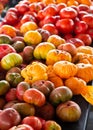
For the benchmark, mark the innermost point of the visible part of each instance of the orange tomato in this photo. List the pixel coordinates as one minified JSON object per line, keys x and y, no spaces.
{"x":8,"y":30}
{"x":34,"y":96}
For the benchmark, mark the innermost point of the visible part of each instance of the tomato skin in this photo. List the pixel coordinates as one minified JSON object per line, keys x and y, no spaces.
{"x":80,"y":27}
{"x":27,"y":17}
{"x":86,"y":38}
{"x":5,"y":49}
{"x":51,"y":28}
{"x":22,"y":8}
{"x":35,"y":7}
{"x":61,"y":6}
{"x":11,"y":18}
{"x":50,"y":10}
{"x":88,"y":18}
{"x":33,"y":121}
{"x":14,"y":60}
{"x":68,"y":12}
{"x":21,"y":126}
{"x":34,"y":96}
{"x":20,"y":89}
{"x":65,"y":25}
{"x":76,"y":41}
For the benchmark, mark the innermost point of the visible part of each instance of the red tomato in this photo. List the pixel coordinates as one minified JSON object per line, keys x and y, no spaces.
{"x":81,"y":14}
{"x":61,"y":6}
{"x":34,"y":96}
{"x":11,"y":95}
{"x":86,"y":38}
{"x":12,"y":9}
{"x":90,"y":32}
{"x":51,"y":28}
{"x":35,"y":7}
{"x":27,"y":17}
{"x":5,"y":49}
{"x":80,"y":27}
{"x":20,"y":89}
{"x":88,"y":18}
{"x":76,"y":41}
{"x":11,"y":18}
{"x":22,"y":8}
{"x":83,"y":7}
{"x":40,"y":15}
{"x":49,"y":10}
{"x":65,"y":25}
{"x":50,"y":19}
{"x":33,"y":121}
{"x":68,"y":12}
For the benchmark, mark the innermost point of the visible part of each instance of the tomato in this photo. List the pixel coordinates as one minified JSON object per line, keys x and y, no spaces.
{"x":90,"y":32}
{"x":81,"y":14}
{"x":86,"y":38}
{"x":26,"y":18}
{"x":45,"y":86}
{"x":50,"y":10}
{"x":83,"y":7}
{"x":12,"y":9}
{"x":20,"y":89}
{"x":40,"y":15}
{"x":80,"y":27}
{"x":14,"y":78}
{"x":11,"y":18}
{"x":34,"y":96}
{"x":13,"y":59}
{"x":68,"y":12}
{"x":50,"y":19}
{"x":4,"y":87}
{"x":5,"y":49}
{"x":11,"y":95}
{"x":50,"y":27}
{"x":33,"y":121}
{"x":61,"y":6}
{"x":22,"y":8}
{"x":65,"y":25}
{"x":76,"y":41}
{"x":88,"y":18}
{"x":21,"y":127}
{"x":35,"y":7}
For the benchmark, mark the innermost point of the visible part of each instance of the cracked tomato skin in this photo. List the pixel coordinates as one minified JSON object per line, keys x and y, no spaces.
{"x":34,"y":96}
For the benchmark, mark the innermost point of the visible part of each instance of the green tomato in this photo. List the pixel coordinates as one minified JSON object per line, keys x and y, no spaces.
{"x":4,"y":87}
{"x":11,"y":60}
{"x":14,"y":78}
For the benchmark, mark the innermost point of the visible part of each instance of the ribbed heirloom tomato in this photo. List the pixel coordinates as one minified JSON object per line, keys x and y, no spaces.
{"x":34,"y":96}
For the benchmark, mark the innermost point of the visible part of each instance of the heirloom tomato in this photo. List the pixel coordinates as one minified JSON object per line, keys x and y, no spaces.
{"x":33,"y":121}
{"x":34,"y":96}
{"x":11,"y":60}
